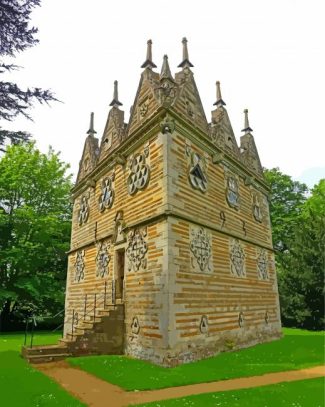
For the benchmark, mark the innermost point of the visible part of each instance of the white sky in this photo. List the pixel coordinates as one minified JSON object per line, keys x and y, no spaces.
{"x":268,"y":55}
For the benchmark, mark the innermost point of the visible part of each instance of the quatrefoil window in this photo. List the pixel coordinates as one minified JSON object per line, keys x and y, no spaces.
{"x":106,"y":198}
{"x":140,"y":174}
{"x":83,"y":211}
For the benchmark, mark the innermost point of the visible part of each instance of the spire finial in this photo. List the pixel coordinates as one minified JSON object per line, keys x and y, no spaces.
{"x":91,"y":130}
{"x":219,"y":101}
{"x":148,"y":62}
{"x":246,"y":128}
{"x":115,"y":102}
{"x":165,"y":70}
{"x":186,"y":62}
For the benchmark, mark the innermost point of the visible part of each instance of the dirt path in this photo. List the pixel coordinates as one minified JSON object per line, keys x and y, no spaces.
{"x":98,"y":393}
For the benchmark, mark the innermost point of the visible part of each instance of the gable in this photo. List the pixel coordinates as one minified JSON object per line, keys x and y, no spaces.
{"x":89,"y":157}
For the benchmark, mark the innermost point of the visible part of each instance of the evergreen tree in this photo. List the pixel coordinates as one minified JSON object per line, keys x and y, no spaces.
{"x":16,"y":36}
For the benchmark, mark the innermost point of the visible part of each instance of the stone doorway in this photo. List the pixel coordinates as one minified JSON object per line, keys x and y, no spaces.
{"x":119,"y":273}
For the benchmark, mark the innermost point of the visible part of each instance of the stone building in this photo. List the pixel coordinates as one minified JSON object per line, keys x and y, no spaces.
{"x":171,"y":255}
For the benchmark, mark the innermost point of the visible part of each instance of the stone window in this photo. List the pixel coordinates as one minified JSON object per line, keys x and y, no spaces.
{"x":232,"y":191}
{"x":262,"y":265}
{"x":197,"y":175}
{"x":140,"y":174}
{"x":237,"y":259}
{"x":106,"y":198}
{"x":79,"y":266}
{"x":200,"y":246}
{"x":102,"y":259}
{"x":83,"y":211}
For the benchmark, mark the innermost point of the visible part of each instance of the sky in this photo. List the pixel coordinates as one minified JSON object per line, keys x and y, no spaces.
{"x":268,"y":55}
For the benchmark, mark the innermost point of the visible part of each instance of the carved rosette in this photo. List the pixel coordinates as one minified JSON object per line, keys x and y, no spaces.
{"x":137,"y":249}
{"x":102,"y":259}
{"x":237,"y":259}
{"x":83,"y":213}
{"x":139,"y":174}
{"x":106,"y":197}
{"x":200,"y":246}
{"x":79,"y":266}
{"x":197,"y":173}
{"x":262,"y":265}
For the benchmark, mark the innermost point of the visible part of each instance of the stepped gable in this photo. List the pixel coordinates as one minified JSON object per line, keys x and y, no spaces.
{"x":115,"y":127}
{"x":248,"y":150}
{"x":221,"y":131}
{"x":90,"y":152}
{"x":146,"y":100}
{"x":188,"y":102}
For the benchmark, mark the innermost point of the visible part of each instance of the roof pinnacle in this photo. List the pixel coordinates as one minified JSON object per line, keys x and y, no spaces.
{"x":148,"y":62}
{"x":115,"y":102}
{"x":246,"y":128}
{"x":185,"y":62}
{"x":165,"y":70}
{"x":91,"y":130}
{"x":219,"y":101}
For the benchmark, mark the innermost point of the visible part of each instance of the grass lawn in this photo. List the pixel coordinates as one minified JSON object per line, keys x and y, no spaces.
{"x":23,"y":386}
{"x":296,"y":350}
{"x":303,"y":393}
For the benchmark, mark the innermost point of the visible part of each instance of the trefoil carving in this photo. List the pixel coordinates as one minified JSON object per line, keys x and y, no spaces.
{"x":79,"y":266}
{"x":200,"y":246}
{"x":102,"y":259}
{"x":237,"y":259}
{"x":137,"y":249}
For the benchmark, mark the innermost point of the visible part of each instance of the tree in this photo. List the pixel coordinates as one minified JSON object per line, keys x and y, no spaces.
{"x":16,"y":36}
{"x":286,"y":203}
{"x":301,"y":282}
{"x":34,"y":231}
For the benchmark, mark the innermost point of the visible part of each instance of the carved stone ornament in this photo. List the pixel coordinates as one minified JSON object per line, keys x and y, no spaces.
{"x":137,"y":249}
{"x":204,"y":326}
{"x":79,"y":266}
{"x":262,"y":265}
{"x":267,"y":318}
{"x":75,"y":319}
{"x":83,"y":211}
{"x":241,"y":320}
{"x":167,"y":125}
{"x":257,"y":212}
{"x":200,"y":246}
{"x":106,"y":197}
{"x":102,"y":259}
{"x":197,"y":173}
{"x":119,"y":225}
{"x":135,"y":326}
{"x":237,"y":259}
{"x":140,"y":174}
{"x":232,"y":192}
{"x":143,"y":109}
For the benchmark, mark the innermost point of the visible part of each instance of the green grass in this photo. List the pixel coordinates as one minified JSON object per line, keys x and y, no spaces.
{"x":297,"y":349}
{"x":23,"y":386}
{"x":303,"y":393}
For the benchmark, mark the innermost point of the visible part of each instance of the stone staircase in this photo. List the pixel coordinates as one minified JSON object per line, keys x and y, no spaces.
{"x":99,"y":334}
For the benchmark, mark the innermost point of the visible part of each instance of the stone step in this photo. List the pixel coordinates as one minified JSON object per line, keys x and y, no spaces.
{"x":43,"y":350}
{"x":47,"y":358}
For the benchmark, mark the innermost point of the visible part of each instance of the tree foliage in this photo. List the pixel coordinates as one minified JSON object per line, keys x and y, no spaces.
{"x":298,"y":227}
{"x":34,"y":231}
{"x":16,"y":36}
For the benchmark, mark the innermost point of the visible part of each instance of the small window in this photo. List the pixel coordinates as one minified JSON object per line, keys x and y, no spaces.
{"x":232,"y":192}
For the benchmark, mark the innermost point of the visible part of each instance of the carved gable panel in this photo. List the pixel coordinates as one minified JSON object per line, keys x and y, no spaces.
{"x":249,"y":154}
